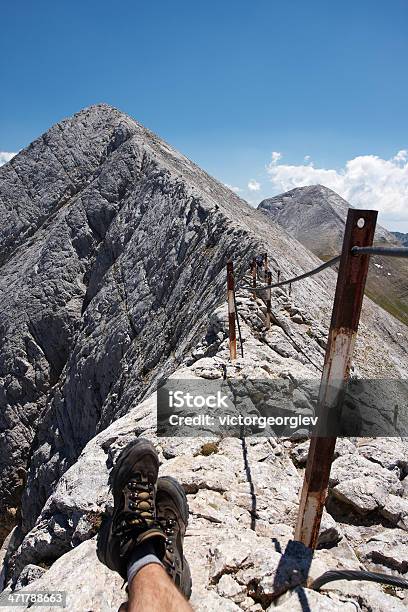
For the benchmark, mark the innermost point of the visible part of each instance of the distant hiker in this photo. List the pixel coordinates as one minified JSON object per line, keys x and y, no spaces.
{"x":260,"y":261}
{"x":143,"y":540}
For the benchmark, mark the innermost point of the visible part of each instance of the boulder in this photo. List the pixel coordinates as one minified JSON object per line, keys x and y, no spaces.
{"x":387,"y":552}
{"x":363,"y":494}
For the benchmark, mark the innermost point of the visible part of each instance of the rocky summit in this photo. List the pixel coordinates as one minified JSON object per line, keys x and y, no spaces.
{"x":316,"y":216}
{"x":112,"y":279}
{"x":401,"y":237}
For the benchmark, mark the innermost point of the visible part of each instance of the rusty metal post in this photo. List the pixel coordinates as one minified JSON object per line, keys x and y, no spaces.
{"x":268,"y":302}
{"x":231,"y":311}
{"x":348,"y":300}
{"x":266,"y":266}
{"x":253,"y":268}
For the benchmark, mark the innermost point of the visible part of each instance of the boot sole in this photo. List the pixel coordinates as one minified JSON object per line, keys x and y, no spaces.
{"x":174,"y":489}
{"x":189,"y":586}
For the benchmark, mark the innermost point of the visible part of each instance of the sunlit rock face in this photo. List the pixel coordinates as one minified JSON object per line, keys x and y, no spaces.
{"x":112,"y":278}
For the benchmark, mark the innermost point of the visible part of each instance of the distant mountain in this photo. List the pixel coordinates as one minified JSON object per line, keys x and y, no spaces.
{"x":316,"y":216}
{"x":403,"y":238}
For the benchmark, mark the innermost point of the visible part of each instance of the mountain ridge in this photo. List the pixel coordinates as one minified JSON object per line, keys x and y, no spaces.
{"x":401,"y":237}
{"x":316,"y":215}
{"x":118,"y":284}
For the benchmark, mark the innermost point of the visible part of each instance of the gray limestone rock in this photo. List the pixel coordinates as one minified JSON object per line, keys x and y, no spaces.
{"x":387,"y":552}
{"x":364,"y":494}
{"x":330,"y":533}
{"x":391,"y":453}
{"x":88,"y":584}
{"x":112,"y":266}
{"x":354,"y":467}
{"x":228,"y":587}
{"x":29,"y":574}
{"x":305,"y":599}
{"x":395,"y":510}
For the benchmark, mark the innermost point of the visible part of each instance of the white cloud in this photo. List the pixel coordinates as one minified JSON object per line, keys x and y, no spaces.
{"x":307,"y":158}
{"x":253,"y":185}
{"x":5,"y":156}
{"x":236,"y":189}
{"x":401,"y":156}
{"x":367,"y":181}
{"x":276,"y":156}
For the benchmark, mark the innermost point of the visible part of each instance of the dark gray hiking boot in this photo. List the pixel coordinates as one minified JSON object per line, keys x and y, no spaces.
{"x":172,"y":515}
{"x":133,"y":482}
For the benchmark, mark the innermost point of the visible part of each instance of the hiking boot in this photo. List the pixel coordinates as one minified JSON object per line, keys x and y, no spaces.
{"x":172,"y":515}
{"x":133,"y":483}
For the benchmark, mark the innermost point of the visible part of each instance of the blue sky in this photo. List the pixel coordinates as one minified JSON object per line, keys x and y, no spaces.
{"x":227,"y":83}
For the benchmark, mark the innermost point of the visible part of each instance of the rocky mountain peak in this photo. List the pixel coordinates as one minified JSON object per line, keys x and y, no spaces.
{"x":316,"y":216}
{"x":315,"y":196}
{"x":112,"y":278}
{"x":401,"y":237}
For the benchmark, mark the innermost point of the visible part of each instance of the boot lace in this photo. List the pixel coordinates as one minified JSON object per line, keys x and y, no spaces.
{"x":138,"y":513}
{"x":168,"y":526}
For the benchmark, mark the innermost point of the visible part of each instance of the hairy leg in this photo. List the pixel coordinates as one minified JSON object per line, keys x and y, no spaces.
{"x":151,"y":590}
